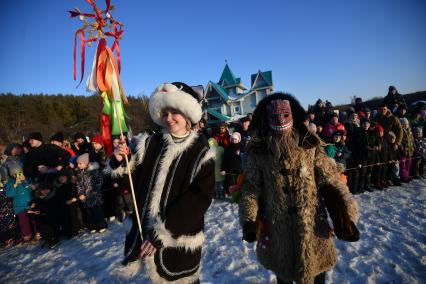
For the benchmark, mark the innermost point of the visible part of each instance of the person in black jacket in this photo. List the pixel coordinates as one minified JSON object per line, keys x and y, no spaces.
{"x":44,"y":158}
{"x":173,"y":173}
{"x":68,"y":204}
{"x":393,"y":99}
{"x":45,"y":211}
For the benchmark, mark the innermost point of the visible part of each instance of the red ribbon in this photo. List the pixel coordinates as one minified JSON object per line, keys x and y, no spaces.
{"x":116,"y":46}
{"x":106,"y":133}
{"x":81,"y":32}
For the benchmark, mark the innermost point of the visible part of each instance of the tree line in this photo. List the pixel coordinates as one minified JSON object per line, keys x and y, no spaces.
{"x":48,"y":114}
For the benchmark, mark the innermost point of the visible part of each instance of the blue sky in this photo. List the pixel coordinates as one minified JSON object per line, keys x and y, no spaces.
{"x":315,"y":49}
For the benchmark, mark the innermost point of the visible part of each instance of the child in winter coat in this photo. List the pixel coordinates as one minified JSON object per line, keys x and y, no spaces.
{"x":89,"y":184}
{"x":19,"y":189}
{"x":407,"y":150}
{"x":45,"y":209}
{"x":379,"y":170}
{"x":419,"y":157}
{"x":338,"y":150}
{"x":68,"y":198}
{"x":392,"y":168}
{"x":231,"y":165}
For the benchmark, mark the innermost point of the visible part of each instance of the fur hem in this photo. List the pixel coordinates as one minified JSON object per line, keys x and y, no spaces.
{"x":188,"y":242}
{"x":136,"y":159}
{"x":151,"y":270}
{"x":172,"y":152}
{"x":209,"y":156}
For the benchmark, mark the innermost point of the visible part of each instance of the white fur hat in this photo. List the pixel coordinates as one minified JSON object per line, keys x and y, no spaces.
{"x":177,"y":96}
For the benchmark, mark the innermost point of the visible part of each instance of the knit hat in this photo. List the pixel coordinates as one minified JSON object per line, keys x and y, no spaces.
{"x":177,"y":96}
{"x":379,"y":128}
{"x":404,"y":121}
{"x":391,"y":135}
{"x":312,"y":127}
{"x":36,"y":136}
{"x":97,"y":139}
{"x":84,"y":158}
{"x":392,"y":88}
{"x":237,"y":136}
{"x":14,"y":168}
{"x":418,"y":130}
{"x":58,"y":136}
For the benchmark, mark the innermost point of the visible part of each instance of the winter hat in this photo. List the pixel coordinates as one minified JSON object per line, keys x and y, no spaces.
{"x":418,"y":130}
{"x":244,"y":119}
{"x":97,"y":139}
{"x":45,"y":185}
{"x":36,"y":136}
{"x":79,"y":135}
{"x":14,"y":168}
{"x":404,"y":121}
{"x":379,"y":128}
{"x":236,"y":135}
{"x":391,"y":135}
{"x":177,"y":96}
{"x":312,"y":127}
{"x":337,"y":133}
{"x":84,"y":158}
{"x":9,"y":148}
{"x":392,"y":88}
{"x":58,"y":136}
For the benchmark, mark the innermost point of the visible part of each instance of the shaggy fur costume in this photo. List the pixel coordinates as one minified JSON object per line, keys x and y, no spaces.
{"x":286,"y":192}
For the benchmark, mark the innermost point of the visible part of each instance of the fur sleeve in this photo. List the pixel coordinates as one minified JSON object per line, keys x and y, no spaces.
{"x":250,"y":190}
{"x":330,"y":184}
{"x":137,"y":146}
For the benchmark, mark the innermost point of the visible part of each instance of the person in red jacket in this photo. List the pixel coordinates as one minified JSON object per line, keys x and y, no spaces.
{"x":222,"y":135}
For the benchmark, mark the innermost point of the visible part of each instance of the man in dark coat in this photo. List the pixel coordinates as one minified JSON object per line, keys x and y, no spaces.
{"x":393,"y":99}
{"x":44,"y":158}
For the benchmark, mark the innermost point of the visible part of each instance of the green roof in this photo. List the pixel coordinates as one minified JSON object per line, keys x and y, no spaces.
{"x":267,"y":76}
{"x":221,"y":90}
{"x":228,"y":77}
{"x":217,"y":114}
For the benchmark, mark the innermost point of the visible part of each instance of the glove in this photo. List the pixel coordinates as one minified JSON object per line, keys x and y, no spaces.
{"x":347,"y":231}
{"x":249,"y":232}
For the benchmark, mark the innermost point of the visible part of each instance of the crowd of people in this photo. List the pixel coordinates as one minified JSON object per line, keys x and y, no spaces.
{"x":54,"y":190}
{"x":62,"y":189}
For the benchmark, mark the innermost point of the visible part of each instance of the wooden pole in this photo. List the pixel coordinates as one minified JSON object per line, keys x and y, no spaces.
{"x":128,"y":170}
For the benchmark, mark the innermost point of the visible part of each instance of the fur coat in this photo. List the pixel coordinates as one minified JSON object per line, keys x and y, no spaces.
{"x":289,"y":202}
{"x":174,"y":184}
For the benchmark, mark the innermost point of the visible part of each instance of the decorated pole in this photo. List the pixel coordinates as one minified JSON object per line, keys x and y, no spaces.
{"x":105,"y":76}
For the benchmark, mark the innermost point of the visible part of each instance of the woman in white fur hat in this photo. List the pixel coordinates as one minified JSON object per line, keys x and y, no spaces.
{"x":173,"y":173}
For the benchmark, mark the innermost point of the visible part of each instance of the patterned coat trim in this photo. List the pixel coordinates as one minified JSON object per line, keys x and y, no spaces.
{"x":151,"y":269}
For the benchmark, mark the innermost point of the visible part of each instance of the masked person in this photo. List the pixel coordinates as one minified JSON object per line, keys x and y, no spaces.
{"x":290,"y":184}
{"x":173,"y":174}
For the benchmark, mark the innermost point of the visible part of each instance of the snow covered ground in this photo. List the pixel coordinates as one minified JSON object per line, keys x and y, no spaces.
{"x":392,"y":249}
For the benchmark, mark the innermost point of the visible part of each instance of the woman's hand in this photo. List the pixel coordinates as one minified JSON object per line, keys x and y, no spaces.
{"x":121,"y":151}
{"x":147,"y":249}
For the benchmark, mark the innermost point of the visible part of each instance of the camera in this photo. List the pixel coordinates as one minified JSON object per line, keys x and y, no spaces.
{"x":19,"y":175}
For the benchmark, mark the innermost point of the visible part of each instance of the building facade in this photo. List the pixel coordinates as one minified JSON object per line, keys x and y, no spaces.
{"x":229,"y":99}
